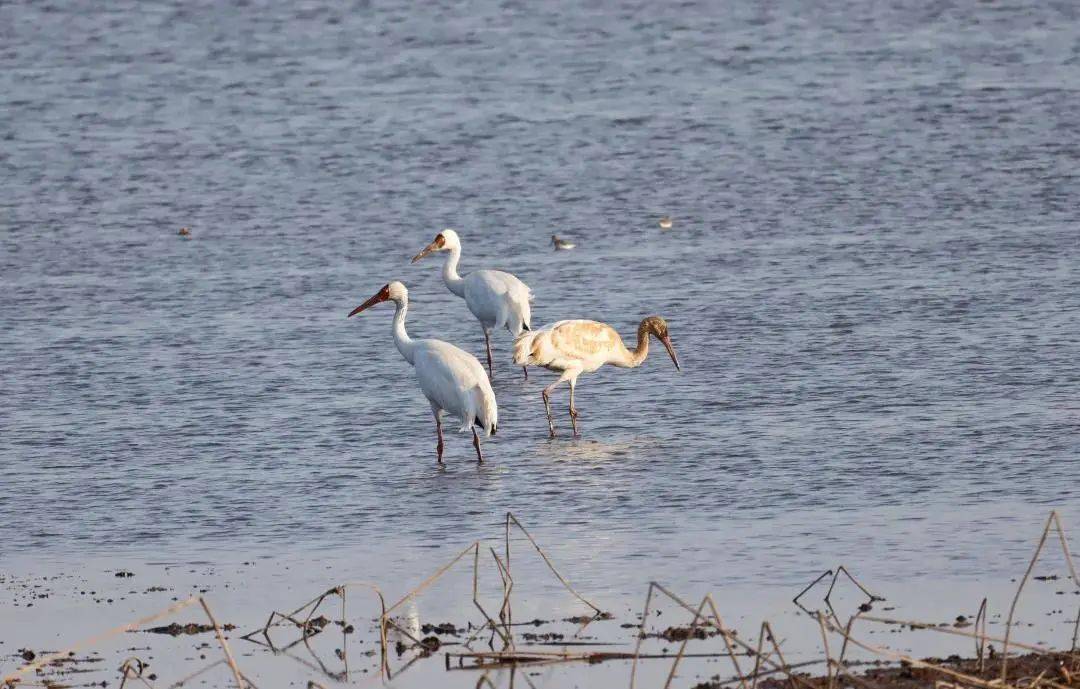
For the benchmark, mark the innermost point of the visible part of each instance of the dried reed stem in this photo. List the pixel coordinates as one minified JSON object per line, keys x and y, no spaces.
{"x":685,"y":641}
{"x":980,"y":633}
{"x":963,"y":632}
{"x":224,"y":644}
{"x":510,"y":517}
{"x":130,"y":626}
{"x":1052,"y":521}
{"x":879,"y":650}
{"x":432,"y":579}
{"x":828,"y":656}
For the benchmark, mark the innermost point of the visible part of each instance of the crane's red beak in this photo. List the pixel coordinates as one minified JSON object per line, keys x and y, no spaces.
{"x":381,"y":296}
{"x":666,"y":339}
{"x":434,"y":246}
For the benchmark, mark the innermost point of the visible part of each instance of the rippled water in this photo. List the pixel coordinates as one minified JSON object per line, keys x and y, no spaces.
{"x":871,"y":280}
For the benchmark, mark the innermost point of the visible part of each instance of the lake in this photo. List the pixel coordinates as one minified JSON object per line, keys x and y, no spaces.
{"x":870,"y":281}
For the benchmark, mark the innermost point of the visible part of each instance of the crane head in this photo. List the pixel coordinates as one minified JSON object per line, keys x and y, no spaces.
{"x":658,"y":328}
{"x":393,"y":291}
{"x":444,"y":241}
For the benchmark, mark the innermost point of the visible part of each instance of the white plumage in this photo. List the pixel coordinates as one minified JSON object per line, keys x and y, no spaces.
{"x":497,"y":299}
{"x":453,"y":380}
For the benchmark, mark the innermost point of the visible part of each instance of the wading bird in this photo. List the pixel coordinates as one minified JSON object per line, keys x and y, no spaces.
{"x":497,"y":299}
{"x":666,"y":223}
{"x":561,"y":244}
{"x":453,"y":380}
{"x":575,"y":347}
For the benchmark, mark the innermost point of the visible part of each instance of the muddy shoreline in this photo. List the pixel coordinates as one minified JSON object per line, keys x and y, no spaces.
{"x":482,"y":620}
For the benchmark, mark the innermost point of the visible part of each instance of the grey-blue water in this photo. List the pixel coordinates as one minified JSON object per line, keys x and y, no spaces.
{"x":871,"y":281}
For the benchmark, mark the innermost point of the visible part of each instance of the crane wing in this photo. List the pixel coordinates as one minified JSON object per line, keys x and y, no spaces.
{"x":584,"y":340}
{"x":448,"y":376}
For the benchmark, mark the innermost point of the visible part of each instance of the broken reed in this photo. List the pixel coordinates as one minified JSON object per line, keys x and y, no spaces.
{"x":766,"y":654}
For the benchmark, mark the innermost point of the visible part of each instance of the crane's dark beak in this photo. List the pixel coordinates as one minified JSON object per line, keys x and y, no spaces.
{"x":381,"y":296}
{"x":427,"y":250}
{"x":666,"y":339}
{"x":434,"y":246}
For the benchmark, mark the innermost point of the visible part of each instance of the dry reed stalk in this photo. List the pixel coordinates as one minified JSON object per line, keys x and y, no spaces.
{"x":133,"y":668}
{"x":224,"y":644}
{"x":474,"y":547}
{"x":130,"y":626}
{"x":758,"y":656}
{"x":964,"y":632}
{"x":767,"y":632}
{"x":431,"y":579}
{"x":385,"y":620}
{"x":809,"y":586}
{"x":727,"y":640}
{"x":682,"y":646}
{"x":505,"y":613}
{"x":507,"y":638}
{"x":730,"y":636}
{"x":276,"y":618}
{"x":772,"y":671}
{"x":716,"y":622}
{"x":844,"y":645}
{"x":828,"y":656}
{"x":844,"y":570}
{"x":534,"y":659}
{"x":641,"y":632}
{"x":510,"y":517}
{"x":654,"y":586}
{"x":1052,"y":521}
{"x":184,"y":680}
{"x":980,"y":633}
{"x":915,"y":662}
{"x":608,"y":655}
{"x":871,"y":597}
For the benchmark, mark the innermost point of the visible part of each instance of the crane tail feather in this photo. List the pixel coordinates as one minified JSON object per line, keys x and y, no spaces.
{"x":487,"y":411}
{"x":523,"y":346}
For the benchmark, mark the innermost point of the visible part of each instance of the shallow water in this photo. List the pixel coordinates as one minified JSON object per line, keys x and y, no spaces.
{"x":870,"y":282}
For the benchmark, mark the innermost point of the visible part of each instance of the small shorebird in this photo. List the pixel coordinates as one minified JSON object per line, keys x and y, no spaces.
{"x":666,"y":222}
{"x":453,"y":380}
{"x":497,"y":299}
{"x":184,"y":232}
{"x":575,"y":347}
{"x":561,"y":244}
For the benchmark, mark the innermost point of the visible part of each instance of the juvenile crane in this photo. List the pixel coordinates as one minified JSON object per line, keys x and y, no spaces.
{"x":453,"y":380}
{"x":575,"y":347}
{"x":497,"y":299}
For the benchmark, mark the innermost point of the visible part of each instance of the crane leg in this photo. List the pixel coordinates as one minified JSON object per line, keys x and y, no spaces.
{"x":573,"y":410}
{"x":526,"y":370}
{"x":438,"y":430}
{"x":547,"y":407}
{"x":487,"y":341}
{"x":476,"y":444}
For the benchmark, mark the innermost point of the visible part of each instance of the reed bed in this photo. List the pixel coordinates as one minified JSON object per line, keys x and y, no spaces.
{"x":495,"y":642}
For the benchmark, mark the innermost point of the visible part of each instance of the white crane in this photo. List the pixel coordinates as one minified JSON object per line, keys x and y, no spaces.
{"x":575,"y":347}
{"x":453,"y":380}
{"x":497,"y":299}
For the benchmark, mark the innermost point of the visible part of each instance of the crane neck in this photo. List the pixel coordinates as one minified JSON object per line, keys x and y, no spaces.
{"x":404,"y":343}
{"x":454,"y":282}
{"x":635,"y":357}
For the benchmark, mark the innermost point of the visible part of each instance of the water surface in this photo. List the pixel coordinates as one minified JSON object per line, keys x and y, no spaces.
{"x":871,"y":282}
